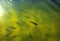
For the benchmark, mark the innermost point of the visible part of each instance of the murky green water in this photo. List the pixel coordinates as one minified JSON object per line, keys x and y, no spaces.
{"x":29,"y":20}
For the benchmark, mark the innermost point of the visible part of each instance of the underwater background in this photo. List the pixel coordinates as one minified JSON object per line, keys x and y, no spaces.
{"x":30,"y":20}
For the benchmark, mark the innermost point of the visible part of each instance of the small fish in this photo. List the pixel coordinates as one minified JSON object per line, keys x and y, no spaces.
{"x":34,"y":23}
{"x":31,"y":36}
{"x":7,"y":34}
{"x":18,"y":23}
{"x":12,"y":27}
{"x":14,"y":36}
